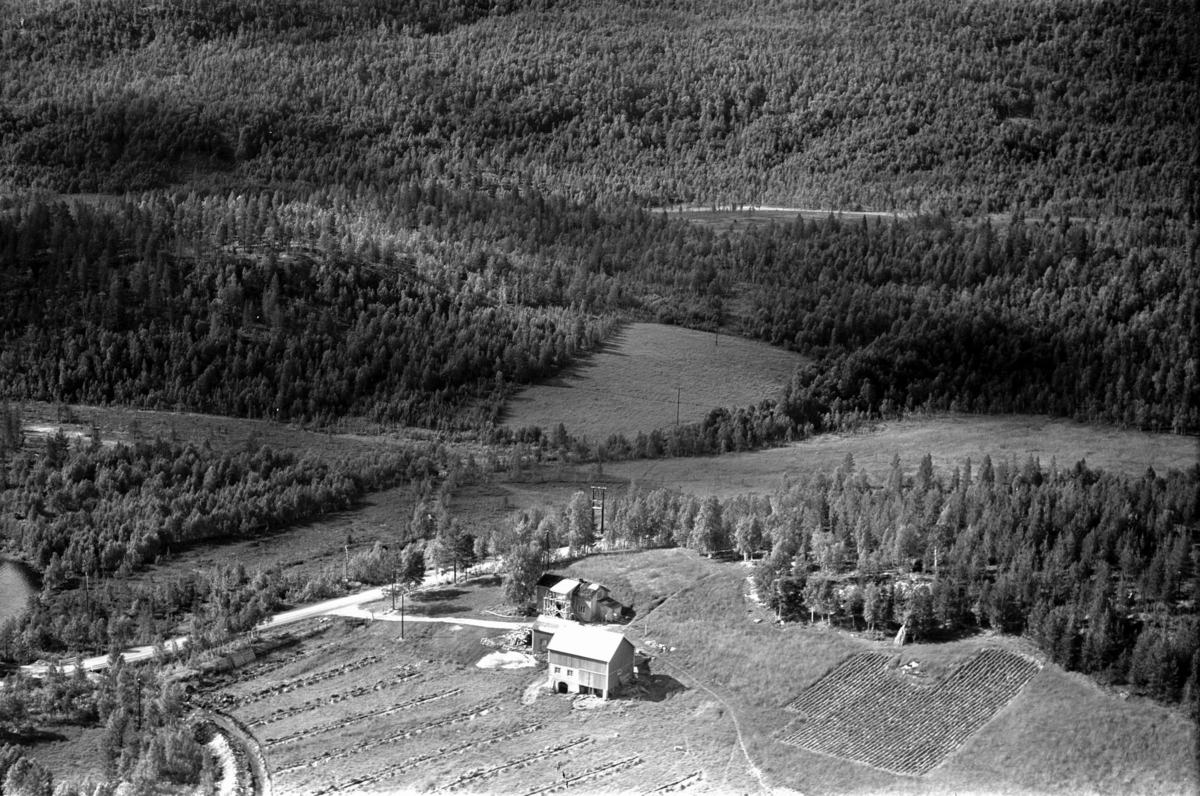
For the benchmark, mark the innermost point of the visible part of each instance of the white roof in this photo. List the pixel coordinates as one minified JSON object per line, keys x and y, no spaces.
{"x":564,"y":587}
{"x":551,"y":623}
{"x":586,"y":642}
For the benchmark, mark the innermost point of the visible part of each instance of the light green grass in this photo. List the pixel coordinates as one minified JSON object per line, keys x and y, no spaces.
{"x":949,"y":439}
{"x":630,"y":385}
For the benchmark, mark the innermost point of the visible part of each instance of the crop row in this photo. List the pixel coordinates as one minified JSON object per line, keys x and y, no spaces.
{"x":304,"y":681}
{"x":871,"y":716}
{"x":683,"y":783}
{"x":260,"y":668}
{"x":848,"y":681}
{"x":590,"y":775}
{"x":324,"y":701}
{"x":362,"y":746}
{"x":337,"y":725}
{"x":520,"y":762}
{"x":413,"y":762}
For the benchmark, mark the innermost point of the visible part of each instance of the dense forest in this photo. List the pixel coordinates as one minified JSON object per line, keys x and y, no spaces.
{"x":1072,"y":106}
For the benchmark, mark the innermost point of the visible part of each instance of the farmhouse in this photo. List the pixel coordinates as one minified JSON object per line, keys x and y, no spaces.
{"x":589,"y":660}
{"x":578,"y":600}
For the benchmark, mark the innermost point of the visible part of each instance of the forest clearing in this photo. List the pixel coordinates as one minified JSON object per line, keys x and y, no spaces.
{"x":950,"y":439}
{"x":647,"y":371}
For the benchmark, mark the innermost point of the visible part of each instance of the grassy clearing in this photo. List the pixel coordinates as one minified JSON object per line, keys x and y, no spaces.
{"x":630,"y":385}
{"x":1063,"y":734}
{"x":70,"y":752}
{"x":306,"y":548}
{"x":950,"y":439}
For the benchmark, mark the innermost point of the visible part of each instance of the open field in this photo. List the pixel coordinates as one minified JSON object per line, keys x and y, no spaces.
{"x":357,"y":709}
{"x":630,"y":384}
{"x":949,"y":439}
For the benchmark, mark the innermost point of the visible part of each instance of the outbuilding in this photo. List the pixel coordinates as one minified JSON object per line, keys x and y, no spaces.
{"x":589,"y":660}
{"x":544,"y":628}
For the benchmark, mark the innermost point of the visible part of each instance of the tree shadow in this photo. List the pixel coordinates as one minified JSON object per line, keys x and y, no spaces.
{"x":439,"y":602}
{"x":30,"y":736}
{"x":436,"y":595}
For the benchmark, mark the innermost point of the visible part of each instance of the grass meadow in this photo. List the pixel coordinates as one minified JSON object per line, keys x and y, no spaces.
{"x":636,"y":380}
{"x":949,"y":439}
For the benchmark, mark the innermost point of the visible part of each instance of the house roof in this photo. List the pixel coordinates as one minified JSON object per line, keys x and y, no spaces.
{"x":587,"y":642}
{"x":594,"y":587}
{"x":552,"y":624}
{"x":564,"y":587}
{"x":548,"y":580}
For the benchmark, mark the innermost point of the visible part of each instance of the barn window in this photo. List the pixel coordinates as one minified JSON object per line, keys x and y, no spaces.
{"x":557,"y":669}
{"x":570,"y":672}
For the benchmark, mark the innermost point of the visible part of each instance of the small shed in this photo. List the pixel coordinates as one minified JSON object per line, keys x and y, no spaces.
{"x":589,"y":660}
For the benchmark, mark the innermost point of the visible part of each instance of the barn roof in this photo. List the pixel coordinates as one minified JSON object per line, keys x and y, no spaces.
{"x":587,"y":642}
{"x":564,"y":587}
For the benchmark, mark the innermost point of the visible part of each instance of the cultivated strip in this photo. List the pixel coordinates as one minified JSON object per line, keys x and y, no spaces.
{"x":337,"y":725}
{"x":413,"y":762}
{"x":320,"y":702}
{"x":362,"y":746}
{"x":590,"y":775}
{"x":521,"y":762}
{"x":872,"y":716}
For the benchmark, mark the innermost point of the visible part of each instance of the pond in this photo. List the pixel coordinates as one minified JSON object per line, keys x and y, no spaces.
{"x":17,"y":583}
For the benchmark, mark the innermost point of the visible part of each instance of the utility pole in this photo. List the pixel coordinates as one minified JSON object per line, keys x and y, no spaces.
{"x":402,"y":616}
{"x":598,"y":496}
{"x":678,"y":396}
{"x":346,"y":567}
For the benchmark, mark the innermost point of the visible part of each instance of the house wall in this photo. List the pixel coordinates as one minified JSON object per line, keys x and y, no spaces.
{"x":576,"y":672}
